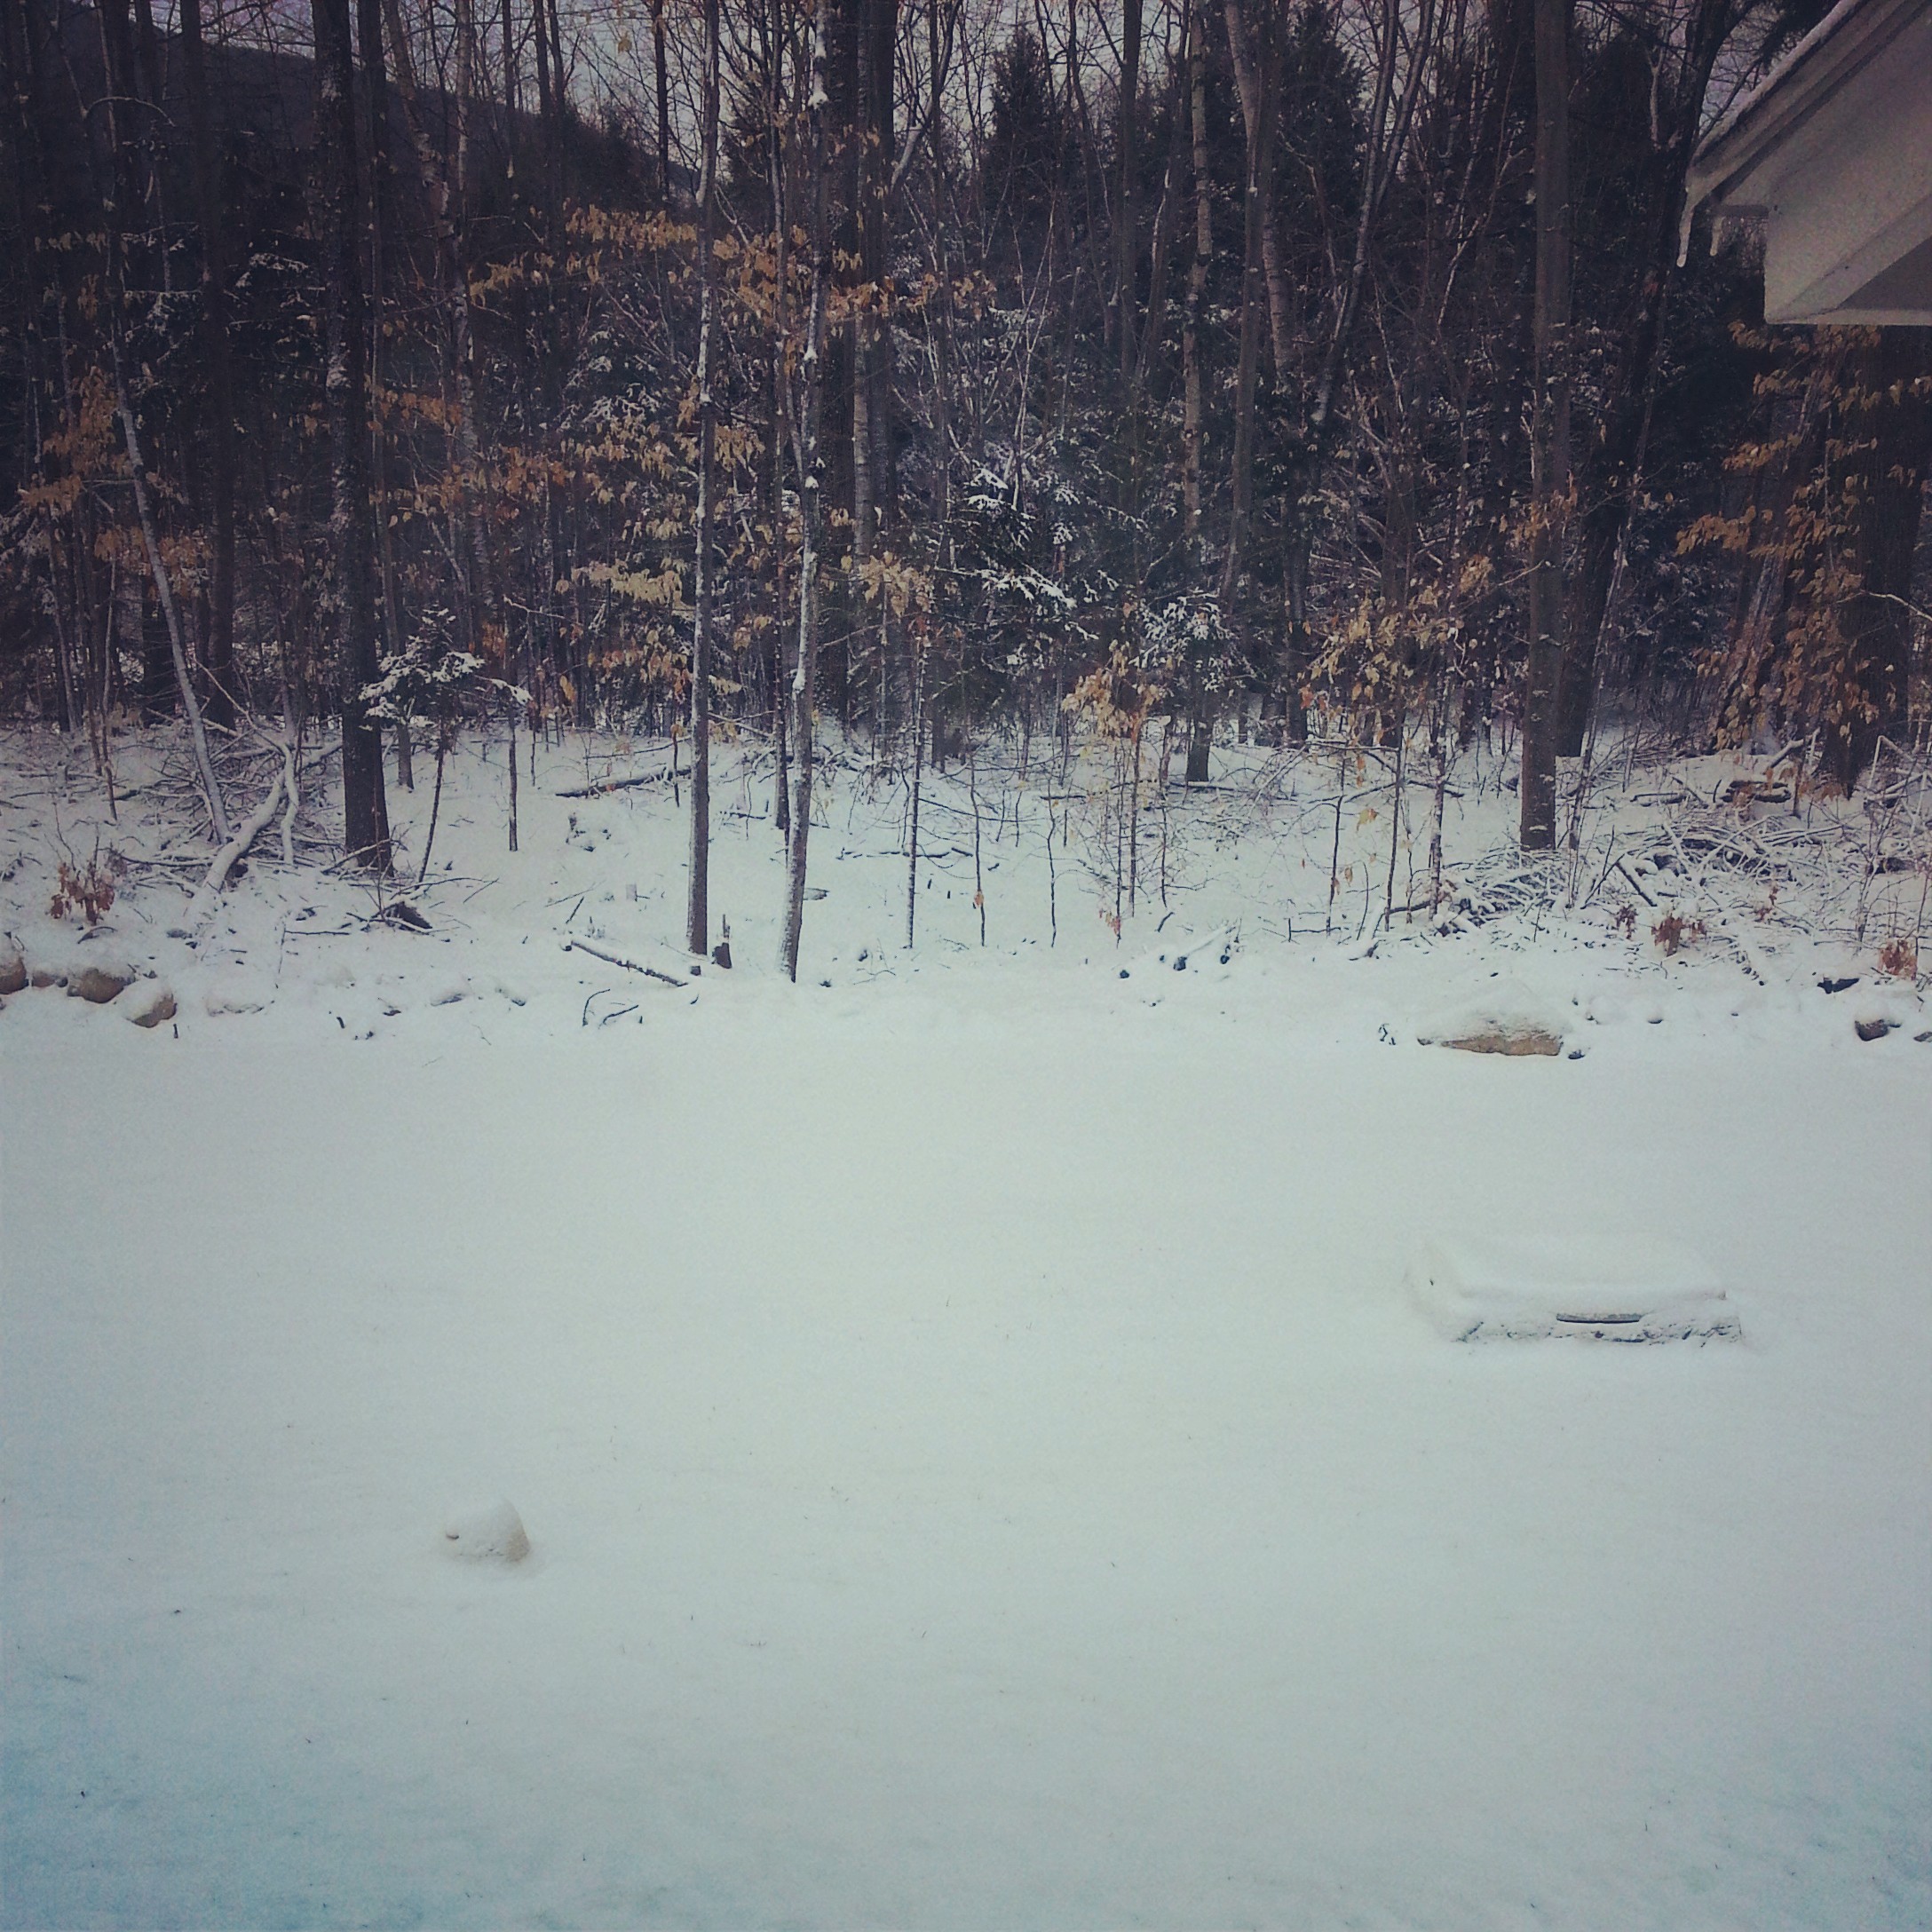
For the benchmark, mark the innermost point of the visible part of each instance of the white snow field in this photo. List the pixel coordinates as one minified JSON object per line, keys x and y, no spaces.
{"x":981,"y":1463}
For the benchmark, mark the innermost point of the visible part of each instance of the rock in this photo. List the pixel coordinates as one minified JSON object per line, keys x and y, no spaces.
{"x":13,"y":970}
{"x":45,"y":976}
{"x":494,"y":1533}
{"x":401,"y":913}
{"x":1873,"y":1029}
{"x":1841,"y":985}
{"x":153,"y":1008}
{"x":1516,"y":1042}
{"x":99,"y":984}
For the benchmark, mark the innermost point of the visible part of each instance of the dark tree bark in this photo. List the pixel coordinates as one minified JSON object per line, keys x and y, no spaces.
{"x":1607,"y":466}
{"x":1126,"y":246}
{"x":883,"y":25}
{"x":365,"y":808}
{"x":697,"y":908}
{"x":1550,"y":445}
{"x":662,"y":64}
{"x":375,"y":137}
{"x":219,"y":661}
{"x":864,"y":191}
{"x":1191,"y":422}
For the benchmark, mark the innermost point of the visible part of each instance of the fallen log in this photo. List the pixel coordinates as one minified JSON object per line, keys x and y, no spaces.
{"x":617,"y":958}
{"x":615,"y":784}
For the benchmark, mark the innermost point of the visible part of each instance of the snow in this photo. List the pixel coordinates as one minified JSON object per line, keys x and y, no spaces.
{"x":1605,"y":1287}
{"x":981,"y":1460}
{"x":488,"y":1532}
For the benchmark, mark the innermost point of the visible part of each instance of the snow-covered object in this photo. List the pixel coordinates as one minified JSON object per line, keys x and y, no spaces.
{"x":493,"y":1533}
{"x":1502,"y":1010}
{"x":1476,"y":1289}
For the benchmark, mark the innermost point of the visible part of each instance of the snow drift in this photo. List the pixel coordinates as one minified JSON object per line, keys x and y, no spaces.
{"x":1613,"y":1288}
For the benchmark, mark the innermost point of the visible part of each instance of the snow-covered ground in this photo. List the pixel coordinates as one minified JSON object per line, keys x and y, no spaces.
{"x":981,"y":1465}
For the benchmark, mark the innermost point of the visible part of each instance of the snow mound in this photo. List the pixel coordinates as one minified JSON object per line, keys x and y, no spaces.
{"x":1620,"y":1288}
{"x":494,"y":1533}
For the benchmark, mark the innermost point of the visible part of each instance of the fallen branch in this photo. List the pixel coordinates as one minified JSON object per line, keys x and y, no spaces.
{"x":223,"y":861}
{"x":617,"y":958}
{"x":615,"y":784}
{"x":1630,"y":878}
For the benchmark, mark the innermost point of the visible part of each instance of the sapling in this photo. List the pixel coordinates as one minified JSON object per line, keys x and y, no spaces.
{"x":425,"y":688}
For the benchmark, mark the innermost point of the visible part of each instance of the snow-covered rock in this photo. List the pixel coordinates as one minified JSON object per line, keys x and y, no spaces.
{"x":236,"y":993}
{"x":1503,"y":1016}
{"x":492,"y":1533}
{"x":1613,"y":1288}
{"x":153,"y":1006}
{"x":99,"y":984}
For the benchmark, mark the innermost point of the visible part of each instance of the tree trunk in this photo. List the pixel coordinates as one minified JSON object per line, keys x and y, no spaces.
{"x":697,"y":911}
{"x":219,"y":662}
{"x":365,"y":809}
{"x":1197,"y":281}
{"x":1610,"y":466}
{"x":375,"y":133}
{"x":1258,"y":84}
{"x":663,"y":101}
{"x":783,"y":424}
{"x":810,"y":478}
{"x":1126,"y":251}
{"x":1242,"y":481}
{"x":1549,"y":449}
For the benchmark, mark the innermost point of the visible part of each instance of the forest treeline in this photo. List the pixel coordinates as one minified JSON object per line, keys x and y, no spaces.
{"x":1277,"y":367}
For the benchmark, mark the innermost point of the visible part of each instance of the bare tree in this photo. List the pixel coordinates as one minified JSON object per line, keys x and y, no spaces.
{"x":1550,"y":438}
{"x":365,"y":809}
{"x":219,"y":662}
{"x":812,"y":477}
{"x":697,"y":909}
